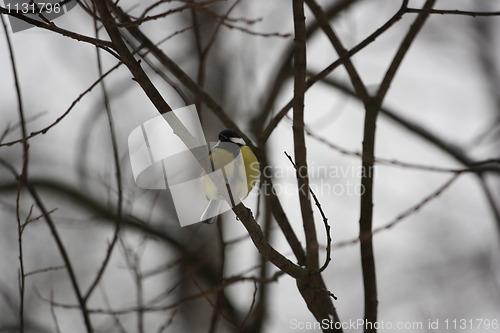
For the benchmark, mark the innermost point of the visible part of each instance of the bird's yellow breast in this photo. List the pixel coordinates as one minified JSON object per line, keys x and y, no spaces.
{"x":242,"y":172}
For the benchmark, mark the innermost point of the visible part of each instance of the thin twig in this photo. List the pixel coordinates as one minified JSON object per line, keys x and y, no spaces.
{"x":116,"y":318}
{"x":212,"y":304}
{"x":105,"y":45}
{"x":168,"y":321}
{"x":53,"y":313}
{"x":44,"y":270}
{"x":325,"y":222}
{"x":118,"y":177}
{"x":22,"y":178}
{"x":65,"y":113}
{"x":172,"y":306}
{"x":143,"y":19}
{"x":64,"y":254}
{"x":30,"y":219}
{"x":401,"y":217}
{"x":486,"y":165}
{"x":233,"y":19}
{"x":249,"y":312}
{"x":255,"y":33}
{"x":452,"y":12}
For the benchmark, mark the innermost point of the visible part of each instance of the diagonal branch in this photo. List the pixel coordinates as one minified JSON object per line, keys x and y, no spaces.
{"x":263,"y":246}
{"x":67,"y":262}
{"x":105,"y":45}
{"x":324,"y":73}
{"x":179,"y":73}
{"x":140,"y":76}
{"x":284,"y":71}
{"x":356,"y":80}
{"x":325,"y":222}
{"x":403,"y":49}
{"x":128,"y":59}
{"x":401,"y":217}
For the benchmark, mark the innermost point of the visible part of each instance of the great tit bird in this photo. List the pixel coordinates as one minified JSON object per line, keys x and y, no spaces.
{"x":240,"y":169}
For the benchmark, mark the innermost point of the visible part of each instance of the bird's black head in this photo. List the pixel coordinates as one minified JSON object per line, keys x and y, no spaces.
{"x":232,"y":136}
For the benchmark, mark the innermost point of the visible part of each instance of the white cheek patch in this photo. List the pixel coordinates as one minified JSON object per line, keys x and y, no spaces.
{"x":238,"y":141}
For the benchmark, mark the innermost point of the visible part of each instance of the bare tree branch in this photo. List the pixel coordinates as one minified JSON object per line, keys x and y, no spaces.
{"x":324,"y":73}
{"x":67,"y":261}
{"x":179,"y":73}
{"x":325,"y":222}
{"x":22,"y":178}
{"x":322,"y":20}
{"x":401,"y":217}
{"x":284,"y":71}
{"x":105,"y":45}
{"x":65,"y":113}
{"x":299,"y":20}
{"x":118,"y":175}
{"x":263,"y":246}
{"x":366,"y":209}
{"x":451,"y":12}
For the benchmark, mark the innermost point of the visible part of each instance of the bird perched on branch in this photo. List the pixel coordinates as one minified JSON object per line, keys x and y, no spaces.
{"x":240,"y":169}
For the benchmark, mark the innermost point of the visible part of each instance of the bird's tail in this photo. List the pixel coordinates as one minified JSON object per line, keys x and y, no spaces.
{"x":211,"y":212}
